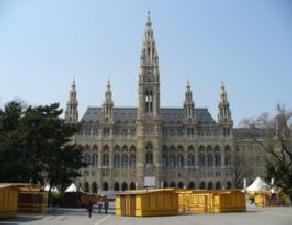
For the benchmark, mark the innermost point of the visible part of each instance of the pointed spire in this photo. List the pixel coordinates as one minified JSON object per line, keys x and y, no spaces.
{"x":108,"y":103}
{"x":71,"y":112}
{"x":148,"y":23}
{"x":189,"y":104}
{"x":223,"y":94}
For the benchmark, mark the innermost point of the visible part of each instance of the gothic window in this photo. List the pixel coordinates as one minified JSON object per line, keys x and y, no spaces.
{"x":117,"y":148}
{"x":217,"y":159}
{"x":124,"y":186}
{"x":86,"y":158}
{"x":202,"y":186}
{"x":209,"y":160}
{"x":117,"y":187}
{"x":229,"y":185}
{"x":164,"y":161}
{"x":180,"y":185}
{"x":94,"y":160}
{"x":191,"y":160}
{"x":210,"y":186}
{"x":133,"y":148}
{"x":149,"y":157}
{"x":149,"y":154}
{"x":180,"y":161}
{"x":124,"y":148}
{"x":191,"y":185}
{"x":105,"y":148}
{"x":105,"y":186}
{"x":94,"y":187}
{"x":172,"y":161}
{"x":201,"y":160}
{"x":218,"y":186}
{"x":105,"y":159}
{"x":227,"y":155}
{"x":133,"y":161}
{"x":148,"y":101}
{"x":117,"y":161}
{"x":132,"y":186}
{"x":124,"y":161}
{"x":180,"y":148}
{"x":86,"y":187}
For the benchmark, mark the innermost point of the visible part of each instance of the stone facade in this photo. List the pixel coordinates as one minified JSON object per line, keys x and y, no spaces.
{"x":179,"y":147}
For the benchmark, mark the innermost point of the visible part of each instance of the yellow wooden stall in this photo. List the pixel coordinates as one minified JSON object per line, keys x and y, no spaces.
{"x":8,"y":200}
{"x":162,"y":202}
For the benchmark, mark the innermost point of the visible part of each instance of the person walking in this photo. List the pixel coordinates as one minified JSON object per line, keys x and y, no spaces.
{"x":99,"y":206}
{"x":89,"y":209}
{"x":105,"y":205}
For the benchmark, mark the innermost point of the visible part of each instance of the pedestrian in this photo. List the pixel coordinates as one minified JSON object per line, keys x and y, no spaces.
{"x":89,"y":208}
{"x":99,"y":206}
{"x":105,"y":205}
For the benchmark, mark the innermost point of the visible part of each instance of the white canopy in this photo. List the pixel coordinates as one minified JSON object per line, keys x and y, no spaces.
{"x":71,"y":188}
{"x":257,"y":185}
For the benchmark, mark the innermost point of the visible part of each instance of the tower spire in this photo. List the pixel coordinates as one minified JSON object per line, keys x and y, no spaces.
{"x":71,"y":112}
{"x":108,"y":104}
{"x":224,"y":115}
{"x":189,"y":105}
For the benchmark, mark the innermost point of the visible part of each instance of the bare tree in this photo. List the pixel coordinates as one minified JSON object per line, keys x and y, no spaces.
{"x":273,"y":135}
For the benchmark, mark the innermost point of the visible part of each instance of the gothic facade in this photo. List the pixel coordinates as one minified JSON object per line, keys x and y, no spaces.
{"x":172,"y":147}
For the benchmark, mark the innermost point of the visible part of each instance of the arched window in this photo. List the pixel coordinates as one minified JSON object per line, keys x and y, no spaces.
{"x":86,"y":187}
{"x":95,"y":149}
{"x":210,"y":186}
{"x":209,"y":160}
{"x":229,"y":185}
{"x":201,"y":160}
{"x":227,"y":155}
{"x":94,"y":160}
{"x":149,"y":157}
{"x":86,"y":158}
{"x":105,"y":148}
{"x":116,"y":161}
{"x":105,"y":159}
{"x":191,"y":185}
{"x":218,"y":186}
{"x":148,"y":101}
{"x":117,"y":148}
{"x":124,"y":186}
{"x":117,"y":187}
{"x":202,"y":186}
{"x":105,"y":186}
{"x":132,"y":186}
{"x":124,"y":160}
{"x":191,"y":160}
{"x":125,"y":148}
{"x":133,"y":161}
{"x":149,"y":154}
{"x":180,"y":185}
{"x":133,"y":148}
{"x":180,"y":161}
{"x":172,"y":184}
{"x":217,"y":159}
{"x":172,"y":161}
{"x":164,"y":184}
{"x":94,"y":187}
{"x":164,"y":161}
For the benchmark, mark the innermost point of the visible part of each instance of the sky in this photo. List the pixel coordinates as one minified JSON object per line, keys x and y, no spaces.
{"x":247,"y":44}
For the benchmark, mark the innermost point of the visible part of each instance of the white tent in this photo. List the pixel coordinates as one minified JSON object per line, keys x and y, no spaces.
{"x":71,"y":188}
{"x":257,"y":185}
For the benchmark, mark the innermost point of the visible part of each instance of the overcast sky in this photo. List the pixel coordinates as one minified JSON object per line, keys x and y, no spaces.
{"x":246,"y":44}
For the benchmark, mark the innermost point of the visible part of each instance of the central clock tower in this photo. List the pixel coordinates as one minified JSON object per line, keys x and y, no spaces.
{"x":149,"y":126}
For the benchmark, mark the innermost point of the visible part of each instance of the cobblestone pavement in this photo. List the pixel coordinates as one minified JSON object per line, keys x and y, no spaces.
{"x":253,"y":216}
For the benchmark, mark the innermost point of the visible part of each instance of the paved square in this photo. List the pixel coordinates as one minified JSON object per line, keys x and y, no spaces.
{"x":253,"y":216}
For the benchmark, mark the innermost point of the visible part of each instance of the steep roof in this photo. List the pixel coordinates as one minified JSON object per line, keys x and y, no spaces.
{"x":129,"y":115}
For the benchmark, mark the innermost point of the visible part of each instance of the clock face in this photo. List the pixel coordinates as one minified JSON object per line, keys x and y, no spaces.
{"x":148,"y":75}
